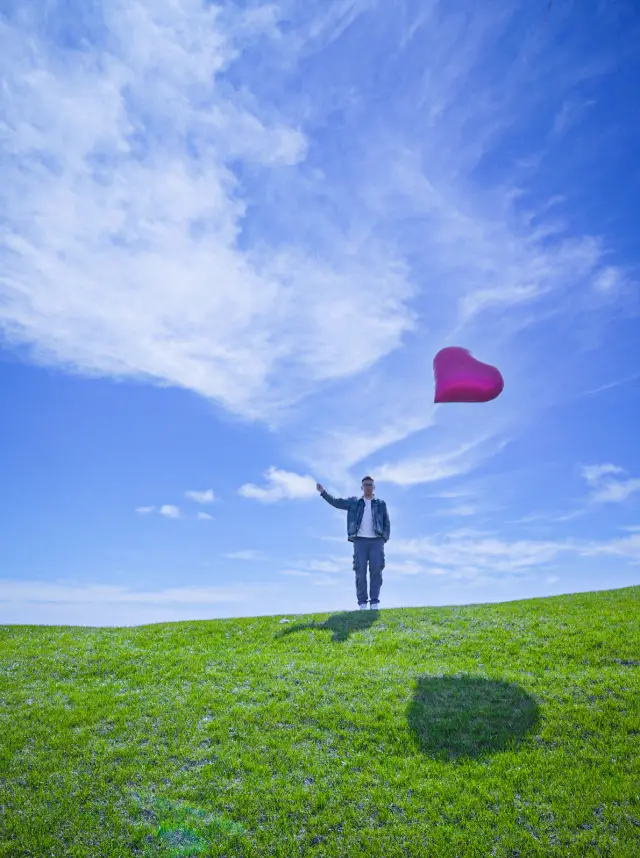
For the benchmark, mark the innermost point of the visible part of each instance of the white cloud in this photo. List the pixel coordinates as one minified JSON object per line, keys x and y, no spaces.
{"x":331,"y":565}
{"x":601,"y":388}
{"x":204,"y":516}
{"x":145,"y":510}
{"x":453,"y":494}
{"x":594,"y":473}
{"x":438,"y":466}
{"x":281,"y":485}
{"x":321,"y":571}
{"x":123,"y":247}
{"x":203,"y":497}
{"x":608,"y":278}
{"x":606,"y":485}
{"x":475,"y":553}
{"x":323,"y":581}
{"x":246,"y":554}
{"x":408,"y":568}
{"x":473,"y":550}
{"x":176,"y":214}
{"x":628,"y":548}
{"x":616,"y":491}
{"x":337,"y":447}
{"x":169,"y":511}
{"x":39,"y":591}
{"x":93,"y":604}
{"x":462,"y":510}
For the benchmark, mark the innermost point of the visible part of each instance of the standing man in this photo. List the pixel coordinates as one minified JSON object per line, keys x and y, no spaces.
{"x":368,"y":527}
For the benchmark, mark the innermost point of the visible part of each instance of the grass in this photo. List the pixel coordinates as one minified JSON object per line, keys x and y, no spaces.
{"x":484,"y":730}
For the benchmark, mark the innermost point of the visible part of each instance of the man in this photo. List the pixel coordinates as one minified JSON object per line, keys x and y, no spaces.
{"x":368,"y":527}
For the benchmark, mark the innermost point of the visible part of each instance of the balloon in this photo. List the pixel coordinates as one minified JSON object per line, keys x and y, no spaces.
{"x":460,"y":377}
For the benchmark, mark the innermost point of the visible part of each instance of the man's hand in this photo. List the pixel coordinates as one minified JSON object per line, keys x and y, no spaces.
{"x":319,"y":488}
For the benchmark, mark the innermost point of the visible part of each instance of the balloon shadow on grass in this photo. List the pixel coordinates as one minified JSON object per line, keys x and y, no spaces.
{"x":469,"y":717}
{"x":341,"y":625}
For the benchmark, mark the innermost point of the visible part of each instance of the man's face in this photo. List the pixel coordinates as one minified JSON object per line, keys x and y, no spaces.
{"x":367,"y":488}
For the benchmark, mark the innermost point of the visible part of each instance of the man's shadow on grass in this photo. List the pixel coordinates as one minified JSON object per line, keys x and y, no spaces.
{"x":341,"y":625}
{"x":454,"y":717}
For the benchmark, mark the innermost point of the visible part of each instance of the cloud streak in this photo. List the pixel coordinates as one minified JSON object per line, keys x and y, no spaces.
{"x":437,"y":466}
{"x":246,"y":554}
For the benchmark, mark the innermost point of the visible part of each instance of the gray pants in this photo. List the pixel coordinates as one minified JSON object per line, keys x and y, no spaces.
{"x":367,"y":550}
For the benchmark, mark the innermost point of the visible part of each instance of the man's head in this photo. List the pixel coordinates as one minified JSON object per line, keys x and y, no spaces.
{"x":368,"y":487}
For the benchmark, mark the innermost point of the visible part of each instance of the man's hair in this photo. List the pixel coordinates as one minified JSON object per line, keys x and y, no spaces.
{"x":367,"y":478}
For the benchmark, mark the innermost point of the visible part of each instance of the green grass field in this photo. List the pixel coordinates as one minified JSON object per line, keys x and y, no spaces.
{"x":486,"y":730}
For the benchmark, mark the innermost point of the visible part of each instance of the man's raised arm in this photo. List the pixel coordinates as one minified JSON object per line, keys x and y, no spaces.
{"x":339,"y":503}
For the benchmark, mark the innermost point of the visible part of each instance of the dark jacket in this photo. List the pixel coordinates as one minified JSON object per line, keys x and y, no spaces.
{"x":355,"y":510}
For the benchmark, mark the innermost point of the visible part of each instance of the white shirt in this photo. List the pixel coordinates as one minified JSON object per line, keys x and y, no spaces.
{"x":366,"y":525}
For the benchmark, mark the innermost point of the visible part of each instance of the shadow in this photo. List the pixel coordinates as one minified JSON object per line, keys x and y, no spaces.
{"x":341,"y":625}
{"x":455,"y":717}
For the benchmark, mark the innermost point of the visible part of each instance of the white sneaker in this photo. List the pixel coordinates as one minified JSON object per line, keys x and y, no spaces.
{"x":362,"y":607}
{"x":374,"y":606}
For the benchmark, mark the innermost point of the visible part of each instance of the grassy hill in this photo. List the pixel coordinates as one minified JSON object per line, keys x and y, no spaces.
{"x":485,"y":730}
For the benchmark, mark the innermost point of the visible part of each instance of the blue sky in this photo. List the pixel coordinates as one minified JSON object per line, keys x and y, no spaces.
{"x":233,"y":238}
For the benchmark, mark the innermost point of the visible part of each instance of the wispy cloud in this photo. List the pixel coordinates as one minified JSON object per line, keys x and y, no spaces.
{"x":626,"y":380}
{"x":474,"y":555}
{"x":123,"y":251}
{"x":280,"y":485}
{"x":329,"y":565}
{"x":408,"y":568}
{"x":246,"y":554}
{"x":204,"y":516}
{"x":594,"y":473}
{"x":331,"y":571}
{"x":473,"y":552}
{"x":627,"y":548}
{"x":607,"y":485}
{"x":468,"y":553}
{"x":145,"y":510}
{"x":65,"y":592}
{"x":439,"y":466}
{"x":182,"y":213}
{"x":462,"y":510}
{"x":89,"y":603}
{"x":204,"y":497}
{"x":453,"y":494}
{"x":333,"y":564}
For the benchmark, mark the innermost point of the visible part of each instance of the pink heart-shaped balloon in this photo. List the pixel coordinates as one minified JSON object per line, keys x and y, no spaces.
{"x":461,"y":378}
